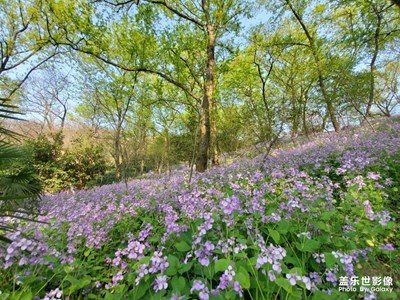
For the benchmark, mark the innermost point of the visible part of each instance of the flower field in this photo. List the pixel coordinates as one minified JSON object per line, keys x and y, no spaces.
{"x":319,"y":221}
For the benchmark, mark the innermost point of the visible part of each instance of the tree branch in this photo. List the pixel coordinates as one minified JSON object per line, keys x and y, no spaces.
{"x":178,"y":13}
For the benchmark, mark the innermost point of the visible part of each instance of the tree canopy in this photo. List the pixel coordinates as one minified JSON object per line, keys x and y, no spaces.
{"x":169,"y":82}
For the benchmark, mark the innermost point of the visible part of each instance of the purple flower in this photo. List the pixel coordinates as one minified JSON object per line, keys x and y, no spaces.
{"x":204,"y":252}
{"x":203,"y":295}
{"x":320,"y":258}
{"x":384,"y":217}
{"x":272,"y":255}
{"x":370,"y":295}
{"x":307,"y":282}
{"x":316,"y":278}
{"x":368,"y":210}
{"x":331,"y":277}
{"x":53,"y":294}
{"x":142,"y":271}
{"x":117,"y":277}
{"x":292,"y":278}
{"x":237,"y":288}
{"x":160,"y":283}
{"x":388,"y":247}
{"x":373,"y":176}
{"x":271,"y":275}
{"x":197,"y":286}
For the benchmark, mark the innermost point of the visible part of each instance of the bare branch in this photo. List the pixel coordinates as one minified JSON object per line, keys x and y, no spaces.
{"x":178,"y":13}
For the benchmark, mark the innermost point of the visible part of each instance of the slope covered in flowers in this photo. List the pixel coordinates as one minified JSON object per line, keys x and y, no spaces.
{"x":302,"y":224}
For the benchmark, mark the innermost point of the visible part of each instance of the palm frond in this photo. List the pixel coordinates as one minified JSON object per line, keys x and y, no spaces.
{"x":8,"y":111}
{"x":10,"y":152}
{"x":17,"y":183}
{"x":5,"y":239}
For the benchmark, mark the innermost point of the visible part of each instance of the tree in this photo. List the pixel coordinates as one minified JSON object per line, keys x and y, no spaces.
{"x":310,"y":31}
{"x":389,"y":86}
{"x":367,"y":28}
{"x":19,"y":189}
{"x":46,"y":98}
{"x":24,"y":46}
{"x":210,"y":18}
{"x":110,"y":92}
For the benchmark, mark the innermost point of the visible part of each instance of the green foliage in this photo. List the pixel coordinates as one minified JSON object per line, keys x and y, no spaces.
{"x":84,"y":164}
{"x":17,"y":181}
{"x":314,"y":241}
{"x":19,"y":188}
{"x":80,"y":166}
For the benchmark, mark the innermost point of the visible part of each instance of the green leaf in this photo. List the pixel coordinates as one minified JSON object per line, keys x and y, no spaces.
{"x":221,"y":264}
{"x":185,"y":268}
{"x":171,"y":271}
{"x":85,"y":281}
{"x":140,"y":290}
{"x":330,"y":260}
{"x":297,"y":271}
{"x":26,"y":296}
{"x":321,"y":225}
{"x":253,"y":260}
{"x":284,"y":283}
{"x":308,"y":246}
{"x":321,"y":295}
{"x":283,"y":227}
{"x":144,"y":260}
{"x":173,"y":260}
{"x":275,"y":235}
{"x":243,"y":278}
{"x":327,"y":215}
{"x":182,"y":246}
{"x":178,"y":283}
{"x":216,"y":297}
{"x":209,"y":272}
{"x":74,"y":282}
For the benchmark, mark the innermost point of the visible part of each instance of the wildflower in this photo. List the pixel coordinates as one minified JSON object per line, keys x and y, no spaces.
{"x":237,"y":288}
{"x":331,"y":277}
{"x":204,"y":252}
{"x":271,"y":275}
{"x":53,"y":295}
{"x":197,"y":286}
{"x":292,"y":278}
{"x":160,"y":283}
{"x":142,"y":271}
{"x":315,"y":277}
{"x":388,"y":247}
{"x":159,"y":263}
{"x":368,"y":210}
{"x":373,"y":176}
{"x":384,"y":218}
{"x":203,"y":295}
{"x":370,"y":295}
{"x":306,"y":280}
{"x":320,"y":258}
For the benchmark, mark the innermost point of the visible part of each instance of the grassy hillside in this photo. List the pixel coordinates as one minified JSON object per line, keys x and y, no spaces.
{"x":315,"y":222}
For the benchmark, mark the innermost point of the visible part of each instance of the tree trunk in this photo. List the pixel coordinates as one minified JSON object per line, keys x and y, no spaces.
{"x":208,"y":100}
{"x":167,"y":152}
{"x":117,"y":155}
{"x":214,"y":135}
{"x":204,"y":145}
{"x":328,"y":101}
{"x":372,"y":66}
{"x":321,"y":79}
